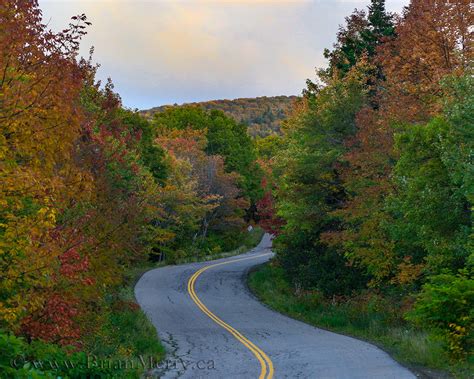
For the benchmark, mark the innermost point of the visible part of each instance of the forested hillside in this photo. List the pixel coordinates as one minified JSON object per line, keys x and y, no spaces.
{"x":262,"y":115}
{"x":372,"y":181}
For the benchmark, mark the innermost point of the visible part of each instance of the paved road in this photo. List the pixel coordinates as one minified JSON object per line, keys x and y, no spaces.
{"x":213,"y":327}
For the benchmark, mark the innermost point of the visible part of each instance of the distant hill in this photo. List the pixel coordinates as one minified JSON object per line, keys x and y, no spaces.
{"x":262,"y":115}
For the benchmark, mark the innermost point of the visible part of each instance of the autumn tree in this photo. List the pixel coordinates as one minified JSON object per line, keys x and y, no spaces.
{"x":433,"y":40}
{"x":80,"y":180}
{"x":363,"y":33}
{"x":366,"y":237}
{"x":40,"y":122}
{"x":226,"y":138}
{"x":310,"y":187}
{"x":214,"y":201}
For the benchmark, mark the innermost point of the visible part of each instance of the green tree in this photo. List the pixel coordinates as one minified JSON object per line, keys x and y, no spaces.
{"x":445,"y":305}
{"x":152,"y":155}
{"x":309,"y":185}
{"x":431,"y":214}
{"x":230,"y":140}
{"x":363,"y":33}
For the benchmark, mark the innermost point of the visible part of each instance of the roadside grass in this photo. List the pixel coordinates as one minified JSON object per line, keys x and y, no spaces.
{"x":372,"y":322}
{"x":127,"y":332}
{"x":253,"y":237}
{"x":126,"y":338}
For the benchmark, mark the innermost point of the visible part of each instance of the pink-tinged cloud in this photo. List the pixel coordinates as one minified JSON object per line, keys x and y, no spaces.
{"x":161,"y":52}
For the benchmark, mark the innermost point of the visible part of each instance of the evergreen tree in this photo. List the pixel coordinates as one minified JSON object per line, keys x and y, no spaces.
{"x":361,"y":36}
{"x":380,"y":26}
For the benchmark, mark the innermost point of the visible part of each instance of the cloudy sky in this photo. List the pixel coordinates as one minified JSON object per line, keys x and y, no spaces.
{"x":167,"y":51}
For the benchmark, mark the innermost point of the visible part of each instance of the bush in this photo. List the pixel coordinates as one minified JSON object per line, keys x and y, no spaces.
{"x":315,"y":267}
{"x":446,"y":304}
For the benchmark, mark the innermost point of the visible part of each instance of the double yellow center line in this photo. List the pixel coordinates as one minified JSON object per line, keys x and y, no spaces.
{"x":265,"y":362}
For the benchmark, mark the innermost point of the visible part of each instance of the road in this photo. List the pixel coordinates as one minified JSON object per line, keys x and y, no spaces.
{"x":213,"y":327}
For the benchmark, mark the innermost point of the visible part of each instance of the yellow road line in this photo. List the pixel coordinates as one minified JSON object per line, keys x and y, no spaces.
{"x":266,"y":372}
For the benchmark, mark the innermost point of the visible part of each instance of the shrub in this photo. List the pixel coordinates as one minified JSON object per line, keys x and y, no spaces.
{"x":446,"y":304}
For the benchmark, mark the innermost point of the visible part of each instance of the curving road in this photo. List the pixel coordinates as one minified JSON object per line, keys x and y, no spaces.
{"x":213,"y":327}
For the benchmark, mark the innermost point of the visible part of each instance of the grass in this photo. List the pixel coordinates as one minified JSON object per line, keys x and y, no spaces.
{"x":372,"y":320}
{"x":127,"y":335}
{"x":129,"y":332}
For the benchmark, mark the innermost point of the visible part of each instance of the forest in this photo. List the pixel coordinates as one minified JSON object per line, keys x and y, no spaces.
{"x":262,"y":115}
{"x":366,"y":180}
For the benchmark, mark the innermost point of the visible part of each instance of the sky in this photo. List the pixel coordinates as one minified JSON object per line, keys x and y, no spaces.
{"x":177,"y":51}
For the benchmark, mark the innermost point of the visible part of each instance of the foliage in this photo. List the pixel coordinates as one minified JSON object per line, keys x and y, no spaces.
{"x":364,"y":169}
{"x":361,"y":37}
{"x":445,"y":304}
{"x":433,"y":41}
{"x":208,"y":197}
{"x":125,"y":336}
{"x":20,"y":359}
{"x":40,"y":123}
{"x":268,"y":147}
{"x":261,"y":115}
{"x":224,"y":137}
{"x":436,"y":231}
{"x":266,"y":210}
{"x":309,"y":186}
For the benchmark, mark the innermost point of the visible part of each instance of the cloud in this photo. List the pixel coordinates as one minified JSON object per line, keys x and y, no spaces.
{"x":179,"y":51}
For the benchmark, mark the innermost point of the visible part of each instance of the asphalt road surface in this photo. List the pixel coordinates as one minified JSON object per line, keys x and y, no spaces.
{"x":213,"y":327}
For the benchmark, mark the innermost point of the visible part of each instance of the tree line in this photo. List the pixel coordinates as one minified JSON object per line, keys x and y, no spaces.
{"x":262,"y":115}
